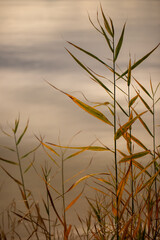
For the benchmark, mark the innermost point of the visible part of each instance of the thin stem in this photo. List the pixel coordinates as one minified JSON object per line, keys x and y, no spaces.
{"x":20,"y":167}
{"x":132,"y":183}
{"x":155,"y":170}
{"x":115,"y":145}
{"x":63,"y":198}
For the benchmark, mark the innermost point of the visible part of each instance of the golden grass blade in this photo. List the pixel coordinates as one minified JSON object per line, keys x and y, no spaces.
{"x":137,"y":141}
{"x":48,"y":147}
{"x":94,"y":112}
{"x":125,"y":229}
{"x":145,"y":168}
{"x":74,"y":201}
{"x":126,"y":126}
{"x":82,"y":179}
{"x":119,"y":45}
{"x":134,"y":156}
{"x":138,"y":165}
{"x":8,"y":161}
{"x":150,"y":181}
{"x":75,"y":154}
{"x":91,"y":148}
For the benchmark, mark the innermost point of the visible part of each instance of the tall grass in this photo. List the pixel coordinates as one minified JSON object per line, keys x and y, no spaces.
{"x":126,"y":205}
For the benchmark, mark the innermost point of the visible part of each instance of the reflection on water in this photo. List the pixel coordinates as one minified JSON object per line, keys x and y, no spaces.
{"x":33,"y":35}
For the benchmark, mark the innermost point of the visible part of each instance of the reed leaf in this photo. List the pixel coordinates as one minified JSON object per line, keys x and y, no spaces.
{"x":91,"y":148}
{"x":126,"y":126}
{"x":24,"y":131}
{"x":106,"y":24}
{"x":129,"y":73}
{"x":86,"y":69}
{"x":48,"y":147}
{"x":134,"y":156}
{"x":143,"y":88}
{"x":15,"y":180}
{"x":119,"y":45}
{"x":143,"y":123}
{"x":89,"y":54}
{"x":140,"y":61}
{"x":144,"y":102}
{"x":94,"y":112}
{"x":132,"y":101}
{"x":8,"y":161}
{"x":74,"y":201}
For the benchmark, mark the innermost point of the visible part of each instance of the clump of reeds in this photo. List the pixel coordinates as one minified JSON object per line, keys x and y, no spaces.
{"x":127,"y":202}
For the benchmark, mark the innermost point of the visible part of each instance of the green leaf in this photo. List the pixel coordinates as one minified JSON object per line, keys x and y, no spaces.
{"x":33,"y":150}
{"x":96,"y":79}
{"x":106,"y":24}
{"x":119,"y":45}
{"x":129,"y":73}
{"x":8,"y":161}
{"x":144,"y":102}
{"x":143,"y":88}
{"x":107,"y":39}
{"x":143,"y":123}
{"x":134,"y":156}
{"x":139,"y":61}
{"x":16,"y":125}
{"x":90,"y":54}
{"x":126,"y":126}
{"x":132,"y":101}
{"x":20,"y":138}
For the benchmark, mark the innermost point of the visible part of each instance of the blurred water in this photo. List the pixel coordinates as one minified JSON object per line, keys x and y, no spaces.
{"x":33,"y":35}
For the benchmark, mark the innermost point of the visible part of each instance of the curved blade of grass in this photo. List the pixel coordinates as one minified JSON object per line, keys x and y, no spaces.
{"x":144,"y":102}
{"x":119,"y":45}
{"x":48,"y":147}
{"x":134,"y":156}
{"x":125,"y":228}
{"x":151,"y":88}
{"x":20,"y":138}
{"x":94,"y":112}
{"x":126,"y":126}
{"x":157,"y":87}
{"x":10,"y":149}
{"x":82,"y":65}
{"x":91,"y":148}
{"x":16,"y":180}
{"x":8,"y":161}
{"x":16,"y":125}
{"x":150,"y":181}
{"x":142,"y":122}
{"x":143,"y":88}
{"x":145,"y":168}
{"x":129,"y":73}
{"x":132,"y":101}
{"x":82,"y":179}
{"x":74,"y":201}
{"x":94,"y":25}
{"x":89,"y":53}
{"x":137,"y":141}
{"x":140,"y":61}
{"x":32,"y":151}
{"x":138,"y":165}
{"x":106,"y":24}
